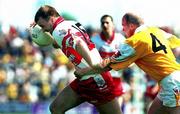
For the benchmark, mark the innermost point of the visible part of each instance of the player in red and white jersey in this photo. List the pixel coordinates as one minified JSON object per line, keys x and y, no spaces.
{"x":72,"y":39}
{"x":107,"y":42}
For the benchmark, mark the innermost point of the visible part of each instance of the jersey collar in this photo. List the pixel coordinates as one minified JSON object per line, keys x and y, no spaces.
{"x":107,"y":40}
{"x":140,"y":28}
{"x":59,"y":20}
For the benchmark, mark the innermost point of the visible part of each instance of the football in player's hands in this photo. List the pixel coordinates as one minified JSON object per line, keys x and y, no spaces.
{"x":40,"y":37}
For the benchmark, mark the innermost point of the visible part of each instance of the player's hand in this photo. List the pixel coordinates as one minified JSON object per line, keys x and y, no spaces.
{"x":114,"y":57}
{"x":78,"y":73}
{"x":33,"y":24}
{"x":105,"y":62}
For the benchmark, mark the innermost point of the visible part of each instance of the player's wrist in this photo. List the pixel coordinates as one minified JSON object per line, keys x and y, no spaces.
{"x":78,"y":75}
{"x":105,"y":62}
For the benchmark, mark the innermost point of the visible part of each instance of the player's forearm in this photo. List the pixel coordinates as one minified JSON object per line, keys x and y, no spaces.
{"x":89,"y":71}
{"x":102,"y":64}
{"x":79,"y":73}
{"x":101,"y":67}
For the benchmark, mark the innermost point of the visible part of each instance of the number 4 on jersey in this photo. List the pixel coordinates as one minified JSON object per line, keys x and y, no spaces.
{"x":156,"y":48}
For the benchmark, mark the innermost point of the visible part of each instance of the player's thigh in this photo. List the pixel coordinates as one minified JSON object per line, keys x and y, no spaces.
{"x":111,"y":107}
{"x":66,"y":99}
{"x":157,"y":107}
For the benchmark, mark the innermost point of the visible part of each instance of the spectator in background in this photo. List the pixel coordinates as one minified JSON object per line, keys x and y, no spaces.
{"x":12,"y":91}
{"x":3,"y":84}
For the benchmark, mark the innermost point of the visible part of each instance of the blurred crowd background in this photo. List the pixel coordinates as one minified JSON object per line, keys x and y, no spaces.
{"x":31,"y":76}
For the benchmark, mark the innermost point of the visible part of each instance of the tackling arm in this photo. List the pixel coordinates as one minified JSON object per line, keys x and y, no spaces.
{"x":89,"y":70}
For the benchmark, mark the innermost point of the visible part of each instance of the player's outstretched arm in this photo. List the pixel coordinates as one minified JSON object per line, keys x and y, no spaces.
{"x":89,"y":70}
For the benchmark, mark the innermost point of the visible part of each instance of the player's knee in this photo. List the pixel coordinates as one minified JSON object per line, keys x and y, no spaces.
{"x":56,"y":108}
{"x":52,"y":108}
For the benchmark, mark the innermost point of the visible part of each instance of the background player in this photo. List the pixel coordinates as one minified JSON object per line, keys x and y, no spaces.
{"x":107,"y":42}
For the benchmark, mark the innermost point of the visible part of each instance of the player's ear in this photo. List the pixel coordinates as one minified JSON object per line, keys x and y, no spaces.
{"x":51,"y":19}
{"x":132,"y":26}
{"x":33,"y":24}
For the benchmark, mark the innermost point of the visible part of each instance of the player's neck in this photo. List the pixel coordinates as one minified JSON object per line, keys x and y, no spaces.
{"x":108,"y":35}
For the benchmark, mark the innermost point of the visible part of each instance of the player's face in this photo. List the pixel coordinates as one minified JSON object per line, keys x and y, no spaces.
{"x":107,"y":25}
{"x":46,"y":25}
{"x":127,"y":28}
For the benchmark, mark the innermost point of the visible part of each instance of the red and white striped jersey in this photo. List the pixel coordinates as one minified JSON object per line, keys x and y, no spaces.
{"x":66,"y":33}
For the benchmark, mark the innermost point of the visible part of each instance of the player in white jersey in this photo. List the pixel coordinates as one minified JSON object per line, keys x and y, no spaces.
{"x":107,"y":42}
{"x":72,"y":39}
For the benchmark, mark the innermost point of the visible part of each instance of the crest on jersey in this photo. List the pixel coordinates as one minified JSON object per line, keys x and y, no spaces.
{"x":62,"y":32}
{"x":176,"y":91}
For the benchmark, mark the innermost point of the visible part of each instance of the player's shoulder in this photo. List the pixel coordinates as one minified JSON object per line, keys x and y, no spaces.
{"x":64,"y":25}
{"x":146,"y":29}
{"x":63,"y":28}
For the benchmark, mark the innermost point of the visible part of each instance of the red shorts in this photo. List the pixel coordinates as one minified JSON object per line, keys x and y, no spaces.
{"x":96,"y":90}
{"x":118,"y":86}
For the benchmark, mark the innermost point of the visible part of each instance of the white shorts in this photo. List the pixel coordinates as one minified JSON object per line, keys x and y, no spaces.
{"x":169,"y":92}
